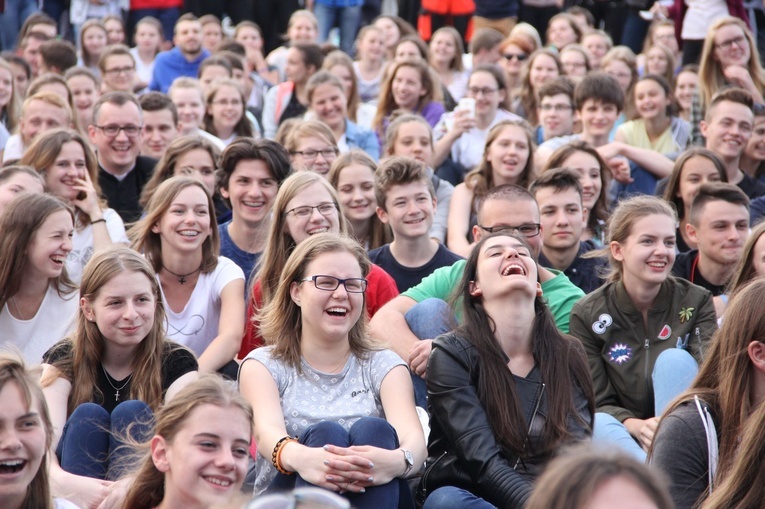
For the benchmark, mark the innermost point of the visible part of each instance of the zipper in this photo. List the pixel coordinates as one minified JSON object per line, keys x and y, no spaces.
{"x":648,"y":389}
{"x":531,"y":423}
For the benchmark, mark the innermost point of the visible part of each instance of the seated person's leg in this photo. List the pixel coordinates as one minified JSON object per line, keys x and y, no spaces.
{"x":131,"y":419}
{"x":608,"y":430}
{"x":450,"y":497}
{"x":84,"y":445}
{"x":673,"y":373}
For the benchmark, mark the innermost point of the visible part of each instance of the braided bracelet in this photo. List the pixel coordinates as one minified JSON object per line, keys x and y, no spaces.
{"x":276,"y":455}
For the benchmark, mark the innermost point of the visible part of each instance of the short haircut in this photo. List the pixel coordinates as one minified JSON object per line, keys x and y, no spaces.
{"x":83,"y":71}
{"x":560,"y":179}
{"x":186,"y":17}
{"x":602,"y":33}
{"x":157,"y":101}
{"x":38,"y":36}
{"x":214,"y":60}
{"x":270,"y":152}
{"x":506,"y":192}
{"x":232,"y":47}
{"x":112,"y":51}
{"x":601,"y":87}
{"x":311,"y":54}
{"x":234,"y":59}
{"x":117,"y":99}
{"x":730,"y":94}
{"x":484,"y":39}
{"x":397,"y":171}
{"x":59,"y":54}
{"x":210,"y":18}
{"x":557,"y":86}
{"x":716,"y":191}
{"x":51,"y":99}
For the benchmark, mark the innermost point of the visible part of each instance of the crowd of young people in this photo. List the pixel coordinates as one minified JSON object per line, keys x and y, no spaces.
{"x":428,"y":272}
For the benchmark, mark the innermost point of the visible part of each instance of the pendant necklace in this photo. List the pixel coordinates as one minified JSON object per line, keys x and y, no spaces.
{"x":182,"y":277}
{"x":117,"y":389}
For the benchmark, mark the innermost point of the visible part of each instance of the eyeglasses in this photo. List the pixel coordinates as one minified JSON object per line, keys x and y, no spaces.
{"x":519,"y":56}
{"x":482,"y":91}
{"x":112,"y":130}
{"x":331,"y":283}
{"x":324,"y":209}
{"x":527,"y":230}
{"x":327,"y":153}
{"x":226,"y":102}
{"x":738,"y":41}
{"x":119,"y":70}
{"x":559,"y":108}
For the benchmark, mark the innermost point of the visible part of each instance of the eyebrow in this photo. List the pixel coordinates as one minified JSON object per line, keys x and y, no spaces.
{"x":28,"y":415}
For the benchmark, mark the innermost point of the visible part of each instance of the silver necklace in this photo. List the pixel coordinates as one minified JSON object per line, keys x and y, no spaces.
{"x":17,"y":308}
{"x":117,"y":389}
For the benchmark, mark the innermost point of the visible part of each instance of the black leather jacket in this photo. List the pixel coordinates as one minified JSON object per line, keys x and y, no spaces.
{"x":462,"y":449}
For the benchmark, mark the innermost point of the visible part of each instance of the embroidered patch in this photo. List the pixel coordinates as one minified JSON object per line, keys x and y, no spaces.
{"x":686,"y":314}
{"x":604,"y":322}
{"x":620,"y":353}
{"x":666,"y":332}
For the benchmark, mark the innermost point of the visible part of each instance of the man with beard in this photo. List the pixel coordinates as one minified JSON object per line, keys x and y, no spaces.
{"x":184,"y":58}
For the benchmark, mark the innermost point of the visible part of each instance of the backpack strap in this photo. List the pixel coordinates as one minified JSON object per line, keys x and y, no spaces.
{"x":712,"y":446}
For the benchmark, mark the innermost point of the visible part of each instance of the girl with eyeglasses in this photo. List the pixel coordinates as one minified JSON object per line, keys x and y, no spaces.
{"x":332,"y":409}
{"x":312,"y":147}
{"x":203,"y":292}
{"x":225,"y":113}
{"x":462,"y":132}
{"x":508,"y":158}
{"x":644,"y":331}
{"x":305,"y":205}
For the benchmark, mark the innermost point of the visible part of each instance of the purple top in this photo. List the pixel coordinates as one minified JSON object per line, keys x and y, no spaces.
{"x":431,"y":112}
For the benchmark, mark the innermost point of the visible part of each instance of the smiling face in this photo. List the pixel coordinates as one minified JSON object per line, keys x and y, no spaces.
{"x":191,"y":108}
{"x":685,"y":87}
{"x":391,"y":32}
{"x":560,"y":34}
{"x":6,"y":86}
{"x":199,"y":164}
{"x":301,"y":227}
{"x":511,"y":61}
{"x":39,"y":117}
{"x":443,"y":48}
{"x":489,"y":98}
{"x":16,"y":184}
{"x":721,"y":231}
{"x":117,"y":153}
{"x":407,"y":50}
{"x":50,"y":245}
{"x":329,"y":103}
{"x":755,"y":148}
{"x":508,"y":155}
{"x":318,"y":163}
{"x":158,"y":132}
{"x":407,"y":88}
{"x":597,"y":45}
{"x":656,"y":61}
{"x":251,"y":190}
{"x":188,"y":37}
{"x":590,"y":178}
{"x":69,"y":167}
{"x":94,"y":40}
{"x":648,"y":253}
{"x":85,"y":95}
{"x":695,"y":172}
{"x":598,"y":118}
{"x":651,"y":101}
{"x":728,"y":129}
{"x":205,"y":463}
{"x":414,"y":140}
{"x":115,"y":31}
{"x":504,"y":266}
{"x":356,"y":189}
{"x":185,"y":225}
{"x":329,"y":315}
{"x":731,"y":46}
{"x":758,"y":257}
{"x":372,"y":46}
{"x":226,"y":109}
{"x":302,"y":30}
{"x":556,"y":115}
{"x":563,"y":218}
{"x":409,"y":210}
{"x":574,"y":64}
{"x":543,"y":69}
{"x":22,"y":444}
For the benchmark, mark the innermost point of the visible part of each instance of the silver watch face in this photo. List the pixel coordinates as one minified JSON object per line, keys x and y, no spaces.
{"x":409,"y":458}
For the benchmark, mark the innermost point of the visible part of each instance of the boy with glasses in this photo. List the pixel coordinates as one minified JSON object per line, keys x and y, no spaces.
{"x":117,"y":67}
{"x":555,"y":110}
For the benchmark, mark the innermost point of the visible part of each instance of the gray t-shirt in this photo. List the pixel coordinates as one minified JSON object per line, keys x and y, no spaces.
{"x":311,"y":397}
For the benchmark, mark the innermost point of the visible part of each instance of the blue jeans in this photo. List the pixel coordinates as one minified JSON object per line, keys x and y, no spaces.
{"x":450,"y":497}
{"x":91,"y":442}
{"x":635,"y":29}
{"x":427,"y":320}
{"x":673,"y":372}
{"x":366,"y":431}
{"x":16,"y":13}
{"x":345,"y":18}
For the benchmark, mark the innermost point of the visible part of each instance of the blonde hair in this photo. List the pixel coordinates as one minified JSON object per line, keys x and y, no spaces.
{"x":308,"y":128}
{"x":336,"y":58}
{"x":12,"y":110}
{"x":387,"y":103}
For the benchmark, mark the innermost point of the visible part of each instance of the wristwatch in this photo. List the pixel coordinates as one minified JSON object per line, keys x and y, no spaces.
{"x":409,"y":462}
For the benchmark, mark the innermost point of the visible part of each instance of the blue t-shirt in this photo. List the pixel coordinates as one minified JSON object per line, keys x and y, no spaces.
{"x":245,"y":260}
{"x":407,"y":277}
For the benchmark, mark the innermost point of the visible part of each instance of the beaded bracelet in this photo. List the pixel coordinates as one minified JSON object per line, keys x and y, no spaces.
{"x":276,"y":455}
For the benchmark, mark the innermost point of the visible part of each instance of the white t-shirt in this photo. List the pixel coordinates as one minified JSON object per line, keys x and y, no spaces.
{"x":82,"y":243}
{"x":700,"y":16}
{"x":468,"y":148}
{"x":142,"y":70}
{"x":53,"y":322}
{"x":13,"y":148}
{"x":197,"y":324}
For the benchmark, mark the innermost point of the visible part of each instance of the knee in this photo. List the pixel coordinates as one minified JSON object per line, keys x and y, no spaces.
{"x":446,"y":497}
{"x":373,"y":431}
{"x":429,"y":318}
{"x":675,"y":360}
{"x":90,"y":413}
{"x":323,"y":433}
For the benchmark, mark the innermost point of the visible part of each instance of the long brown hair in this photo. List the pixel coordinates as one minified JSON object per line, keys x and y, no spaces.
{"x":387,"y":103}
{"x":44,"y":150}
{"x":148,"y":486}
{"x":243,"y":127}
{"x":554,"y":353}
{"x":336,"y":58}
{"x":87,"y":343}
{"x":726,"y":377}
{"x":12,"y":110}
{"x":745,"y":268}
{"x":527,"y":95}
{"x":281,"y":318}
{"x":19,"y":223}
{"x":144,"y":240}
{"x":13,"y":370}
{"x":672,"y":190}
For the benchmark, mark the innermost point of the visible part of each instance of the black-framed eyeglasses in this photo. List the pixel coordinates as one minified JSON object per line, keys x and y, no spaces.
{"x":738,"y":41}
{"x":112,"y":130}
{"x":486,"y":92}
{"x":517,"y":56}
{"x":527,"y":230}
{"x":119,"y":70}
{"x":332,"y":283}
{"x":324,"y":209}
{"x":313,"y":154}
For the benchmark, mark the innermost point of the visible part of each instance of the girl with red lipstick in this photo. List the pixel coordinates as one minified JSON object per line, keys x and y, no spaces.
{"x":305,"y":205}
{"x":37,"y":298}
{"x":644,"y":331}
{"x":203,"y":292}
{"x":70,"y":169}
{"x":27,"y":431}
{"x":198,"y":455}
{"x":110,"y":375}
{"x":331,"y":409}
